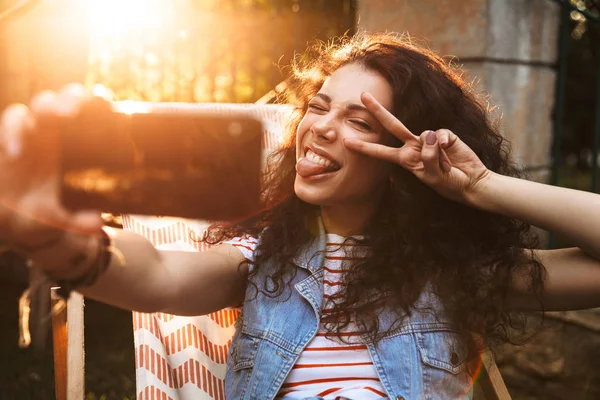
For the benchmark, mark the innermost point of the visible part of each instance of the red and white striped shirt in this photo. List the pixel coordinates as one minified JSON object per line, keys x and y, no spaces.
{"x":328,"y":367}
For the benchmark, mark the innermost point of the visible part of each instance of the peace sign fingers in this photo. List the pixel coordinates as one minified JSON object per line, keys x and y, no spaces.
{"x":387,"y":119}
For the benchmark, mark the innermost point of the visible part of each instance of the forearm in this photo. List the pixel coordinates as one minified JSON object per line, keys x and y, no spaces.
{"x":175,"y":282}
{"x":135,"y":282}
{"x":571,"y":283}
{"x":572,"y":213}
{"x":142,"y":278}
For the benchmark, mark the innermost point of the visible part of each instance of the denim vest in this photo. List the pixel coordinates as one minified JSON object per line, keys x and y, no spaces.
{"x":420,"y":359}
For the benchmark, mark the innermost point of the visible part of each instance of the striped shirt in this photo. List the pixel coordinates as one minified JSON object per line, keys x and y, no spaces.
{"x":328,"y":367}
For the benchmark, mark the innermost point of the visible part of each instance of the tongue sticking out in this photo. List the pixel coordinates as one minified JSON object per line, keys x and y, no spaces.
{"x":306,"y":168}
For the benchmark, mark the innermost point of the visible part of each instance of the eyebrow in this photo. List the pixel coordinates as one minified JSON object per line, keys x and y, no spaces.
{"x":351,"y":106}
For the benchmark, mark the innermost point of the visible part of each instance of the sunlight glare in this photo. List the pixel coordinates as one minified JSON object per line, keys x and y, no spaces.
{"x":100,"y":90}
{"x":131,"y":107}
{"x":115,"y":19}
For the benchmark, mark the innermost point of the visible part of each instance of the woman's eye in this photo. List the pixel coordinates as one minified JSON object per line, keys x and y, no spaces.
{"x":361,"y":124}
{"x":316,"y":107}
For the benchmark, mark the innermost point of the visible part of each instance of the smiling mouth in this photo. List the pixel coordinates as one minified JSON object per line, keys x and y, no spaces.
{"x":312,"y":165}
{"x":330,"y":166}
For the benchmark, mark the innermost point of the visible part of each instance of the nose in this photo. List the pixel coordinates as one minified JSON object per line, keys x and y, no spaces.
{"x":325,"y":128}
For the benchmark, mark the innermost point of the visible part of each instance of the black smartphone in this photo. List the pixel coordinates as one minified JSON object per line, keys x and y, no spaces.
{"x":169,"y":159}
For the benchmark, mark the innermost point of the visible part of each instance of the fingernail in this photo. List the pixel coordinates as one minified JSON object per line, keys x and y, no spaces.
{"x":431,"y":138}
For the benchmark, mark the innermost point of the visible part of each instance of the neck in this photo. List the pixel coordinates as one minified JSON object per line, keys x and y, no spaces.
{"x":348,"y":219}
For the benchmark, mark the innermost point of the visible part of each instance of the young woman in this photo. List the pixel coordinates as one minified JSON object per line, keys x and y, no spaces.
{"x":393,"y":246}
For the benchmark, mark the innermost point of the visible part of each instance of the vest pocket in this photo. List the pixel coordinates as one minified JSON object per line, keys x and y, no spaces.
{"x":244,"y":351}
{"x":442,"y":349}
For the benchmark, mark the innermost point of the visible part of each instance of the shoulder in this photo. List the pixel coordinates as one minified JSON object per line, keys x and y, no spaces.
{"x":246,"y":244}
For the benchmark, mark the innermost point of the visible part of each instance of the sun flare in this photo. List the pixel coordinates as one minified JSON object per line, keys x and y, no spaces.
{"x":116,"y":19}
{"x":136,"y":44}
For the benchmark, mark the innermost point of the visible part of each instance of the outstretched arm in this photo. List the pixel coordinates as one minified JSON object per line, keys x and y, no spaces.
{"x":150,"y":280}
{"x":175,"y":282}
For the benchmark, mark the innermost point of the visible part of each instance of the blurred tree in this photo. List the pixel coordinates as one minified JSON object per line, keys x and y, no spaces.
{"x":207,"y":51}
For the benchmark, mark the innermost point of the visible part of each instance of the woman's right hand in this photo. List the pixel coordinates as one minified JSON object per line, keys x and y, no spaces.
{"x":31,"y":213}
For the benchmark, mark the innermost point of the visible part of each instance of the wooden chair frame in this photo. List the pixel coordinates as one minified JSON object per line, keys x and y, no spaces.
{"x":68,"y":341}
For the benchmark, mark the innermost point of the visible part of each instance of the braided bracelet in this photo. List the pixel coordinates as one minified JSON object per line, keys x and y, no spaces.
{"x":99,"y":266}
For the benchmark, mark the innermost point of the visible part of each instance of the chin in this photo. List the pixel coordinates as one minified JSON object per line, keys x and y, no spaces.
{"x":312,"y":195}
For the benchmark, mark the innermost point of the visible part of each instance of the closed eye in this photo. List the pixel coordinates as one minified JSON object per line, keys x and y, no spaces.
{"x":316,"y":107}
{"x":361,"y":124}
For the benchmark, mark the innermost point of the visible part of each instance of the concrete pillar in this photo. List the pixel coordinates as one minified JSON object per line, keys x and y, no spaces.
{"x":509,"y":46}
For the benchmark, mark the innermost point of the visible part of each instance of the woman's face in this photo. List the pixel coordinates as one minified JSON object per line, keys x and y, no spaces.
{"x":327,"y":173}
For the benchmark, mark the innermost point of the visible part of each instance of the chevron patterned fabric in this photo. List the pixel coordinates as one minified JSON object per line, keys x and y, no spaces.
{"x":184,"y":358}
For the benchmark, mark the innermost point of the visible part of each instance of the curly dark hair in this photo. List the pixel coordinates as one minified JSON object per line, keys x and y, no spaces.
{"x":416,"y":236}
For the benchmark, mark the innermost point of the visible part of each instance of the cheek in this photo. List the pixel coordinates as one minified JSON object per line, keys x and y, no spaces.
{"x":367,"y":174}
{"x":368,"y":166}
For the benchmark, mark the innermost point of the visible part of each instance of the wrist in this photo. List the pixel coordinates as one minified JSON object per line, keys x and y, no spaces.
{"x":70,"y":258}
{"x":99,"y":265}
{"x":80,"y":270}
{"x":71,"y":262}
{"x":481,"y":194}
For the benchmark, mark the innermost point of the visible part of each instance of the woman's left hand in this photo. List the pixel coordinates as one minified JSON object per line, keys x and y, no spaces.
{"x":439,"y":159}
